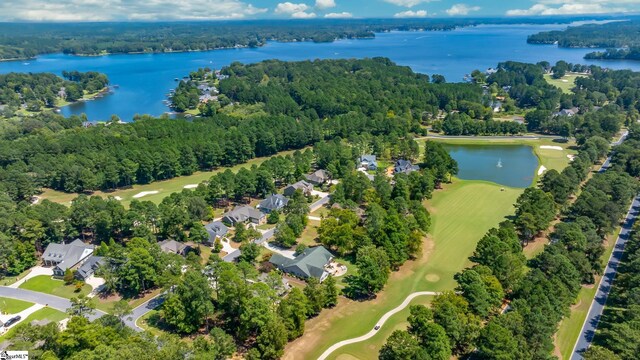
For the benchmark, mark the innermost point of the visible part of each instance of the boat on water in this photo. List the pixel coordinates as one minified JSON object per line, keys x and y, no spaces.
{"x":499,"y":163}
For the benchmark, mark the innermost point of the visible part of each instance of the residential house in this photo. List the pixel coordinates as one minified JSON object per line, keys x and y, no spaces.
{"x":567,"y":112}
{"x":496,"y":106}
{"x":306,"y":188}
{"x":89,"y":267}
{"x":174,"y":247}
{"x":404,"y":167}
{"x":66,"y":256}
{"x":310,"y":263}
{"x":275,"y":202}
{"x":243,"y":214}
{"x":318,"y":178}
{"x":369,"y":162}
{"x":232,"y":256}
{"x":216,"y":230}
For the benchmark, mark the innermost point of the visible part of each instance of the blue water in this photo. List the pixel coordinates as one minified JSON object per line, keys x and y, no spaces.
{"x":145,"y":79}
{"x":510,"y":165}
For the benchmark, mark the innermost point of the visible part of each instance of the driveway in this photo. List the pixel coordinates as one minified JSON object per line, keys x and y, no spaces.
{"x":23,"y":314}
{"x":35,"y":271}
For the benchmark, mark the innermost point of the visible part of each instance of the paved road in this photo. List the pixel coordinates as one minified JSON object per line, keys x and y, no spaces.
{"x":51,"y":301}
{"x":595,"y":311}
{"x":380,"y":323}
{"x":143,"y":309}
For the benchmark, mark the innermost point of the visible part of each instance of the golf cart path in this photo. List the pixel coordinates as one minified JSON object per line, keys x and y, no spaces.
{"x":380,"y":323}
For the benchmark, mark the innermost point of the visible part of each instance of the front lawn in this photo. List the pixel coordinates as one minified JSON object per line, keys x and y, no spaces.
{"x":13,"y":306}
{"x":48,"y":285}
{"x":50,"y":314}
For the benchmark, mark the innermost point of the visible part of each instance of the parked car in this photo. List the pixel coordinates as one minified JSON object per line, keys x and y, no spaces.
{"x":12,"y":321}
{"x":377,"y":327}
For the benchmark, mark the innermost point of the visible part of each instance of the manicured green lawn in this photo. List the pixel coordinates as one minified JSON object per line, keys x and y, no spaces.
{"x":13,"y":306}
{"x":566,"y":85}
{"x":570,"y":327}
{"x":42,"y":314}
{"x":46,"y":284}
{"x":164,"y":188}
{"x":152,"y":323}
{"x":461,"y":214}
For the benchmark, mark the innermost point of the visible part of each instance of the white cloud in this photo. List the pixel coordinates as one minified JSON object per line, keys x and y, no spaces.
{"x":290,"y":8}
{"x":303,"y":15}
{"x":411,"y":14}
{"x":106,"y":10}
{"x":408,"y":3}
{"x":571,"y":7}
{"x":461,"y":9}
{"x":342,"y":15}
{"x":325,"y":4}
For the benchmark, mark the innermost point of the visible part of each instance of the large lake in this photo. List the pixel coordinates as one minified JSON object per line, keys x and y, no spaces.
{"x":145,"y":79}
{"x":509,"y":165}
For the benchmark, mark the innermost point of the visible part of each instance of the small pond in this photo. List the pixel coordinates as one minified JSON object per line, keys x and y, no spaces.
{"x":509,"y":165}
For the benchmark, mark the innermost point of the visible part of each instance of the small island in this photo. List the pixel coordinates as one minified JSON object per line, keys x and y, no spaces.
{"x":33,"y":93}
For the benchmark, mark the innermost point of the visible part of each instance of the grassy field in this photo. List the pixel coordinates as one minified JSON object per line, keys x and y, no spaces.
{"x":461,"y":214}
{"x":46,"y":284}
{"x":570,"y":327}
{"x":566,"y":83}
{"x":42,"y":314}
{"x":163,"y":188}
{"x":13,"y":306}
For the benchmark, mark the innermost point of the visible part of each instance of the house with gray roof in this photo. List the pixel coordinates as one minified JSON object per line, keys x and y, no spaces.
{"x":89,"y":267}
{"x":369,"y":162}
{"x":311,"y":262}
{"x":66,"y":256}
{"x":216,"y":230}
{"x":275,"y":202}
{"x":567,"y":112}
{"x":302,"y":185}
{"x":175,"y":247}
{"x":404,"y":167}
{"x":243,"y":214}
{"x":318,"y":178}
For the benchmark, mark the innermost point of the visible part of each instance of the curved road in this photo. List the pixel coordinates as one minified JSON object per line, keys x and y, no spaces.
{"x":380,"y":323}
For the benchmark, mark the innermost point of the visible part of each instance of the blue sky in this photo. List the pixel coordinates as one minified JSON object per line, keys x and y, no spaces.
{"x":108,"y":10}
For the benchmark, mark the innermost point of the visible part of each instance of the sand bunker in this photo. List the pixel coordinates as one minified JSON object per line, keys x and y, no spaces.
{"x":144,"y":193}
{"x":117,"y":198}
{"x":549,"y":147}
{"x":191,"y":186}
{"x":542,"y":170}
{"x":571,"y":157}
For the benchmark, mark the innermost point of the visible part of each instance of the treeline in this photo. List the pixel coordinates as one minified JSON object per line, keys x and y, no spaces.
{"x":539,"y":291}
{"x":461,"y":124}
{"x":34,"y":91}
{"x":610,"y":35}
{"x":22,"y":40}
{"x":615,"y":54}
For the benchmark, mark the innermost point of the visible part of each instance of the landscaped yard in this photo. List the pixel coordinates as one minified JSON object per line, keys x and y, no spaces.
{"x":160,"y":189}
{"x":151,"y":322}
{"x":50,"y":314}
{"x":46,"y":284}
{"x":106,"y":304}
{"x":13,"y":306}
{"x":461,"y":214}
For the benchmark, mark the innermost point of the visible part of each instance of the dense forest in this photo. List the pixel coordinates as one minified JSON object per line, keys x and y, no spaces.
{"x":615,"y":34}
{"x":357,"y":96}
{"x":615,"y":54}
{"x":35,"y":91}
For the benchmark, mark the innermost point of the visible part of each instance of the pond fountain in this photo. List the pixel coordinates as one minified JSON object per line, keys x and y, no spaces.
{"x":516,"y":166}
